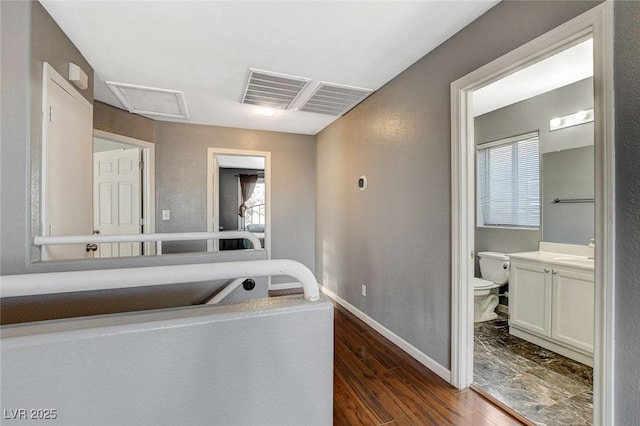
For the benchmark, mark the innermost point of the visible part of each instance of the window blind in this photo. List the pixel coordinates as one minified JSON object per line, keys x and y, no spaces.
{"x":508,"y":181}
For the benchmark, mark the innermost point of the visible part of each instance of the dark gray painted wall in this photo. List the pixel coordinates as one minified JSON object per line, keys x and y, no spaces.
{"x":534,"y":115}
{"x":627,"y":128}
{"x":396,"y":236}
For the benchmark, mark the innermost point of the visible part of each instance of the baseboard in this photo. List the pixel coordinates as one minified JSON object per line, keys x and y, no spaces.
{"x":285,"y":286}
{"x":503,"y":309}
{"x":414,"y":352}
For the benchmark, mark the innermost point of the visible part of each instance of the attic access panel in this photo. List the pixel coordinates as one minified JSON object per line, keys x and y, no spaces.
{"x":150,"y":100}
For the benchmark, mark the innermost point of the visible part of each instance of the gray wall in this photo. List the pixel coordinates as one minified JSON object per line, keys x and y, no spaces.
{"x":115,"y":120}
{"x":627,"y":133}
{"x":396,"y":236}
{"x":533,"y":115}
{"x":181,"y":184}
{"x":244,"y":364}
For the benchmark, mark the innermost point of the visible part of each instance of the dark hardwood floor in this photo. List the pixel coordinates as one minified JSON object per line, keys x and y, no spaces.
{"x":376,"y":383}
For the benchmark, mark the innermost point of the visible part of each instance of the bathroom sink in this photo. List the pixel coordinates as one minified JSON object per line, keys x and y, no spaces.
{"x":577,"y":260}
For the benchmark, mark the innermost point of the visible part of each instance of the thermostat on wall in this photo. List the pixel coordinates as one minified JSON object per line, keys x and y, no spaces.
{"x":362,"y":182}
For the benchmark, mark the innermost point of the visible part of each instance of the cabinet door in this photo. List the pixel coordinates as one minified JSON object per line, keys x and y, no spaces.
{"x":573,"y":308}
{"x":530,"y":297}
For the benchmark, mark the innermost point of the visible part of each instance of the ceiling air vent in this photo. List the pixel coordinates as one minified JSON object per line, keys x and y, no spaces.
{"x":272,"y":90}
{"x":334,"y":99}
{"x":150,"y":100}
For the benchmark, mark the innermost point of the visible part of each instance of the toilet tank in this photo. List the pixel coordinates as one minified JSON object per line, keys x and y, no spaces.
{"x":494,"y":266}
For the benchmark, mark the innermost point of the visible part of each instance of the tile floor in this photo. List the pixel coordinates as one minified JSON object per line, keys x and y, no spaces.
{"x":545,"y":387}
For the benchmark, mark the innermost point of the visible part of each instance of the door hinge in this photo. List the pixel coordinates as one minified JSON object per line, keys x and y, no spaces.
{"x":473,"y":254}
{"x":141,"y":221}
{"x":141,"y":164}
{"x":51,"y":114}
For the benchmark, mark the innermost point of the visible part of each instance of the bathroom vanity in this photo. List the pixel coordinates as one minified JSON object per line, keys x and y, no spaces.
{"x":552,"y":299}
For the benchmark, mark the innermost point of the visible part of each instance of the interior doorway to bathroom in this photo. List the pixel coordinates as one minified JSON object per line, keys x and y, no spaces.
{"x":592,"y":27}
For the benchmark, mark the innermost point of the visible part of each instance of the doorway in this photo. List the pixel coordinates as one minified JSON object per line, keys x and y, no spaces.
{"x":596,"y":23}
{"x":124,"y":192}
{"x":238,"y":196}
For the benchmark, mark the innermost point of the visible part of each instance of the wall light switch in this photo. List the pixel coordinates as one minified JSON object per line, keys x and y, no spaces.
{"x":166,"y":214}
{"x":364,"y":290}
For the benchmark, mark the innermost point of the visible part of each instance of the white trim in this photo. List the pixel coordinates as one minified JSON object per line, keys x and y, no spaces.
{"x":598,"y":22}
{"x":213,"y":193}
{"x":411,"y":350}
{"x":285,"y":286}
{"x":148,"y":180}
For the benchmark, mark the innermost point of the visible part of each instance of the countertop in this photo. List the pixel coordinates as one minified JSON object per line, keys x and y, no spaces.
{"x":561,"y":259}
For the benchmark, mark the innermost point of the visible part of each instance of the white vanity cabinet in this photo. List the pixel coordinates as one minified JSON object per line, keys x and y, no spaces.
{"x":551,"y":304}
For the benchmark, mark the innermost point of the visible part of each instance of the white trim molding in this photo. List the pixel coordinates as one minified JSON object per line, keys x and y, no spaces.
{"x":411,"y":350}
{"x":596,"y":23}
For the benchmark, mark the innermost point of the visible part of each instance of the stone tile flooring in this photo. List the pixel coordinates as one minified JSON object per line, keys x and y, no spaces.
{"x":545,"y":387}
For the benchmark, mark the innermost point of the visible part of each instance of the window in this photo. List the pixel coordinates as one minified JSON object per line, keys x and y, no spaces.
{"x":508,"y":182}
{"x":255,"y":212}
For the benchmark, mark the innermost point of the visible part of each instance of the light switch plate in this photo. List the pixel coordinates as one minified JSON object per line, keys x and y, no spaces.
{"x":166,"y":214}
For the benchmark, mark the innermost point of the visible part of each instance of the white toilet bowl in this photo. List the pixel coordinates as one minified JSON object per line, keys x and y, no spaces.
{"x":495,"y":267}
{"x":485,"y":300}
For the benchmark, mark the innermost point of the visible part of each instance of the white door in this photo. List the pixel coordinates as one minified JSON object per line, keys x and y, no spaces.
{"x":116,"y":195}
{"x":67,"y":146}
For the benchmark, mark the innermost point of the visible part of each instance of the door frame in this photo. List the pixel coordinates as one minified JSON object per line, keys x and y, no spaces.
{"x":148,"y":192}
{"x":213,"y":193}
{"x":599,"y":23}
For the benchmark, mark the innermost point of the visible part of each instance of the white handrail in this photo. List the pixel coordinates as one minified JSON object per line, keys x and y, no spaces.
{"x":225,"y":291}
{"x":104,"y":279}
{"x":166,"y":236}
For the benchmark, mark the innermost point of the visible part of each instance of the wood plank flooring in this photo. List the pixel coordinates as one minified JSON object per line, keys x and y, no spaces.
{"x":376,"y":383}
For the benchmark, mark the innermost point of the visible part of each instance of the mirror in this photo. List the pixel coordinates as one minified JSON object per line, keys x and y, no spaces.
{"x":567,"y":196}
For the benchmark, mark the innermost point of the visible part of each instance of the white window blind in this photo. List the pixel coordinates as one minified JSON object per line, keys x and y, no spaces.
{"x":508,"y":181}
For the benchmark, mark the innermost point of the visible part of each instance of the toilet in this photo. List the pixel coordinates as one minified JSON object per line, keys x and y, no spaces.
{"x":494,"y":268}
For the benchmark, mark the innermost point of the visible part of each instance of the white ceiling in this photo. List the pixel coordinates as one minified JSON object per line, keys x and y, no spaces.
{"x":205,"y":48}
{"x":566,"y":67}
